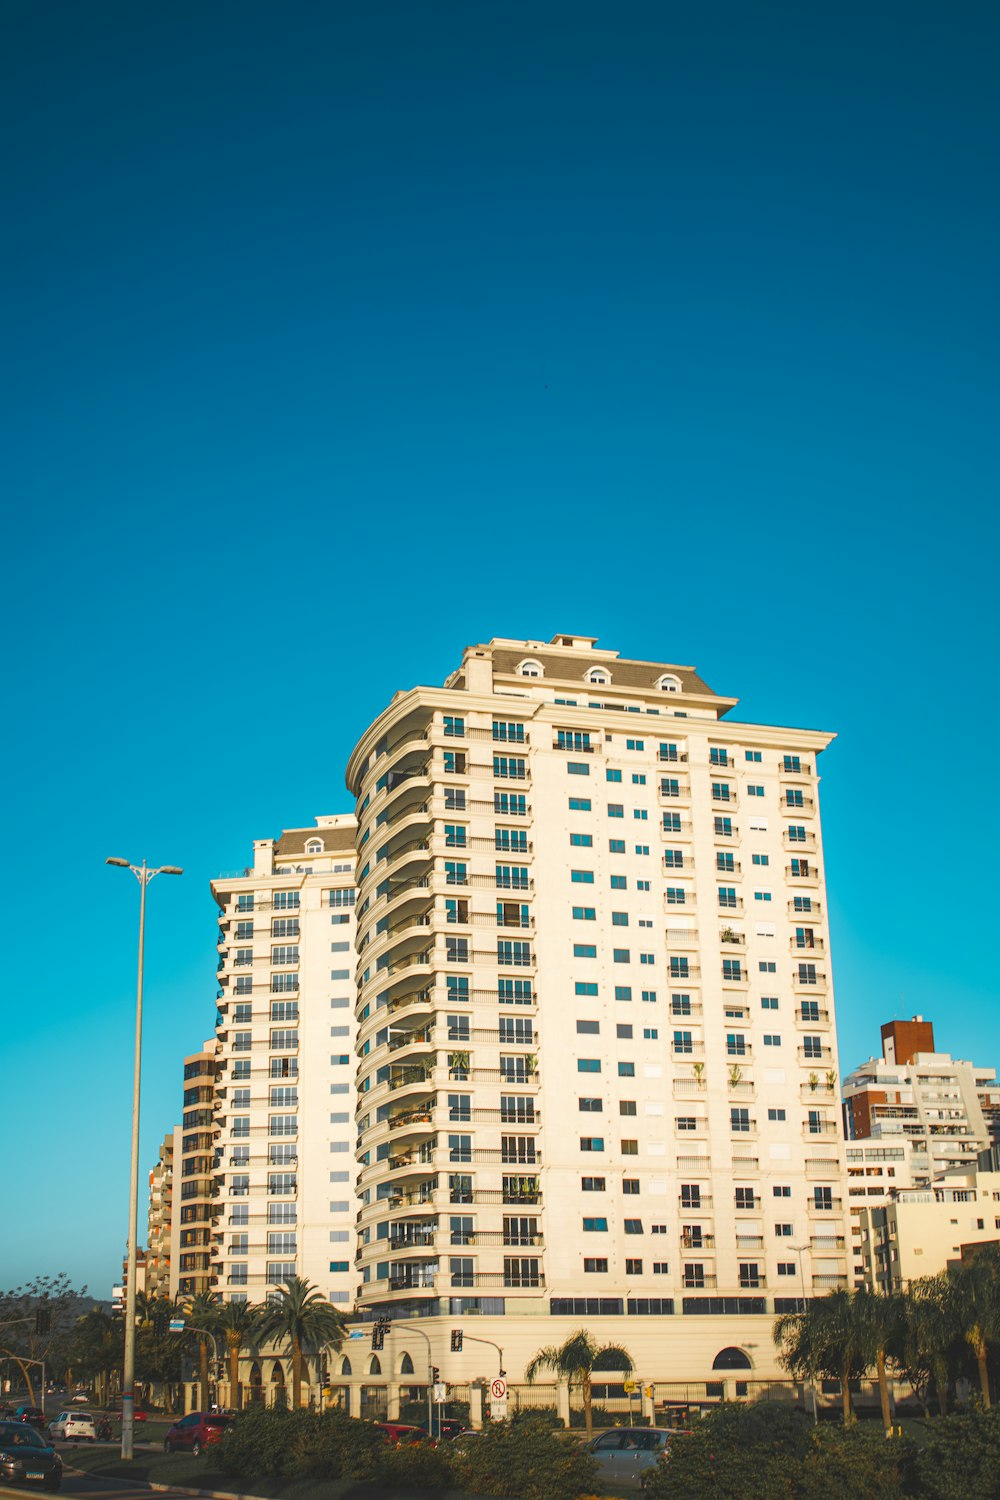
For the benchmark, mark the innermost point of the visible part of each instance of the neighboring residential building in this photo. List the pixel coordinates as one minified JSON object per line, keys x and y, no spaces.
{"x":946,"y":1108}
{"x":162,"y":1256}
{"x":598,"y":1075}
{"x":193,"y":1181}
{"x":875,"y":1170}
{"x":284,"y":1169}
{"x":920,"y":1231}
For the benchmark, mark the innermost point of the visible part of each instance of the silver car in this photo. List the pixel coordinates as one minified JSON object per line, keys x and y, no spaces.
{"x":626,"y":1453}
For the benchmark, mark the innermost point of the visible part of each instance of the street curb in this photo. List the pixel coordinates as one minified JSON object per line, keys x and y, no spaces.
{"x":160,"y":1489}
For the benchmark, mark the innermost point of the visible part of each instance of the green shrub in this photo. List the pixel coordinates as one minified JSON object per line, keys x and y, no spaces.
{"x":961,"y":1457}
{"x":856,"y":1464}
{"x":261,"y":1441}
{"x":417,"y":1466}
{"x":332,"y":1445}
{"x":523,"y":1458}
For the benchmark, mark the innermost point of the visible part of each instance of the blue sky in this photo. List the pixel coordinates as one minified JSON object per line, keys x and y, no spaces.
{"x":337,"y":337}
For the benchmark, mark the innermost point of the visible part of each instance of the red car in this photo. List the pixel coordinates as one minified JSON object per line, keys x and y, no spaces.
{"x":401,"y":1432}
{"x":198,"y":1430}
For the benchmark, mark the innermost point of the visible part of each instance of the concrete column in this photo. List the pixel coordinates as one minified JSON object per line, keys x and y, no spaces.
{"x":648,"y":1407}
{"x":562,"y":1403}
{"x":476,"y":1406}
{"x":392,"y":1410}
{"x":354,"y":1398}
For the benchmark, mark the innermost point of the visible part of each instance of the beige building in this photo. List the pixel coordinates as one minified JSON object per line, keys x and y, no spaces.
{"x":162,"y":1260}
{"x":283,"y":1103}
{"x":598,"y":1077}
{"x":919,"y":1231}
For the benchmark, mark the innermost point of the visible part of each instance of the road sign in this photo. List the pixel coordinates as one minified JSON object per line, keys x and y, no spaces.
{"x":628,"y":1386}
{"x":498,"y":1389}
{"x":358,"y":1333}
{"x":647,"y":1391}
{"x":176,"y":1325}
{"x":440,"y":1391}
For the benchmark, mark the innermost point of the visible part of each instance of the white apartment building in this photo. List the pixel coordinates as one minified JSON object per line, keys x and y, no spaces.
{"x":284,"y":1168}
{"x":948,"y":1109}
{"x":162,"y":1253}
{"x":598,"y":1078}
{"x":875,"y":1170}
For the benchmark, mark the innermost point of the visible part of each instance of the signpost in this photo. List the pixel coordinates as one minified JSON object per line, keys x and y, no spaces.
{"x":498,"y":1399}
{"x":176,"y":1325}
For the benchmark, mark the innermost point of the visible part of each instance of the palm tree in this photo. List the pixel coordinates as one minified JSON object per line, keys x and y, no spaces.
{"x":238,"y":1321}
{"x":926,"y":1338}
{"x":880,"y":1318}
{"x":201,"y":1312}
{"x":975,"y":1297}
{"x":829,"y":1338}
{"x":577,"y":1360}
{"x":304,"y":1317}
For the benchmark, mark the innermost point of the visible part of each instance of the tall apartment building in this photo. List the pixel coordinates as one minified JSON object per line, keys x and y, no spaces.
{"x":597,"y":1057}
{"x":283,"y":1127}
{"x":194,"y":1162}
{"x":919,"y":1232}
{"x":162,"y":1255}
{"x":946,"y":1108}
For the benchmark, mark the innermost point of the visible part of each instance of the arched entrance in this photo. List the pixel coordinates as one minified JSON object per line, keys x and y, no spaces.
{"x":731,"y":1358}
{"x":279,"y":1395}
{"x":255,"y":1385}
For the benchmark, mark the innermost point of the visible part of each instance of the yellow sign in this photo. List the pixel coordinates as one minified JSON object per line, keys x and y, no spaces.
{"x":648,"y":1392}
{"x":628,"y":1386}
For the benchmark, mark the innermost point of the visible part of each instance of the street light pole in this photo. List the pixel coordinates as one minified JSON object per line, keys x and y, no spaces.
{"x":802,"y":1277}
{"x":144,"y":876}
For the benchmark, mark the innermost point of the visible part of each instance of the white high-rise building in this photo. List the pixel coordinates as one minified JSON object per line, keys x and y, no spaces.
{"x":284,"y":1098}
{"x":598,"y":1077}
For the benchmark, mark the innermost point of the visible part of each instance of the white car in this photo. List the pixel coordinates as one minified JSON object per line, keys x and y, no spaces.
{"x":74,"y":1427}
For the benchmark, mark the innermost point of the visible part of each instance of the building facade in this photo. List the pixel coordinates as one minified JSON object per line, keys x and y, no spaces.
{"x":597,"y":1069}
{"x":162,"y":1254}
{"x":919,"y":1232}
{"x":282,"y":1112}
{"x":946,"y":1108}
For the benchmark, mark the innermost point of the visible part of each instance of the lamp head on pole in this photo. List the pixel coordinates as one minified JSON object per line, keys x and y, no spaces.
{"x":122,"y":862}
{"x":170,"y":870}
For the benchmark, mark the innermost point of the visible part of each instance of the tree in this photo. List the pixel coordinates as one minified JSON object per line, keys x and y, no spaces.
{"x":830,"y":1338}
{"x":201,"y":1312}
{"x":97,"y":1348}
{"x":577,"y":1360}
{"x":301,"y":1315}
{"x":926,"y":1338}
{"x":238,"y":1322}
{"x":974,"y":1291}
{"x":19,"y":1339}
{"x":880,"y":1318}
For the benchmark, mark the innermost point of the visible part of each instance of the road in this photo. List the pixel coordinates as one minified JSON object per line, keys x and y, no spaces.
{"x":90,"y":1489}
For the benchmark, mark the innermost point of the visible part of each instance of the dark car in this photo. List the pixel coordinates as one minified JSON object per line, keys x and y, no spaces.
{"x":448,"y":1427}
{"x":26,"y":1458}
{"x":198,"y":1430}
{"x":33,"y":1415}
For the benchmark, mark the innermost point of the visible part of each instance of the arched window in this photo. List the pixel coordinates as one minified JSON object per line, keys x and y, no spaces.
{"x":598,"y":677}
{"x":314,"y":846}
{"x":668,"y":683}
{"x":405,"y":1364}
{"x":375,"y":1367}
{"x":731,"y":1359}
{"x":345,"y":1366}
{"x":530,"y":669}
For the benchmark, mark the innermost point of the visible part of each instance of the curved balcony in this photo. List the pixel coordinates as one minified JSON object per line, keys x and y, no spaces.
{"x":403,"y":788}
{"x":415,"y":823}
{"x":413,"y":1125}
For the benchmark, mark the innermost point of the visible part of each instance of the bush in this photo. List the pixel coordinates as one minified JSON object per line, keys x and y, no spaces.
{"x":332,"y":1445}
{"x":260,"y":1441}
{"x":417,"y":1466}
{"x":523,"y":1458}
{"x":961,"y":1458}
{"x":767,"y":1451}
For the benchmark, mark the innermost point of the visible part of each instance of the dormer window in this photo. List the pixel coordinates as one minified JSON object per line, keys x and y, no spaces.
{"x":598,"y":677}
{"x":530,"y":669}
{"x":314,"y":846}
{"x":668,"y":683}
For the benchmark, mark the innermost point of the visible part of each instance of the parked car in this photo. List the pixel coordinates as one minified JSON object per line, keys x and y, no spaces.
{"x":198,"y":1430}
{"x":448,"y":1427}
{"x":625,"y":1454}
{"x":26,"y":1458}
{"x":74,"y":1427}
{"x":401,"y":1432}
{"x":80,"y":1398}
{"x":33,"y":1415}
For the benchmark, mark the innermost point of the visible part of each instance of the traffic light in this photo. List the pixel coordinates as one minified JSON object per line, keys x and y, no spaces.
{"x":43,"y":1320}
{"x":435,"y":1374}
{"x":378,"y":1336}
{"x":161,"y":1318}
{"x":456,"y":1341}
